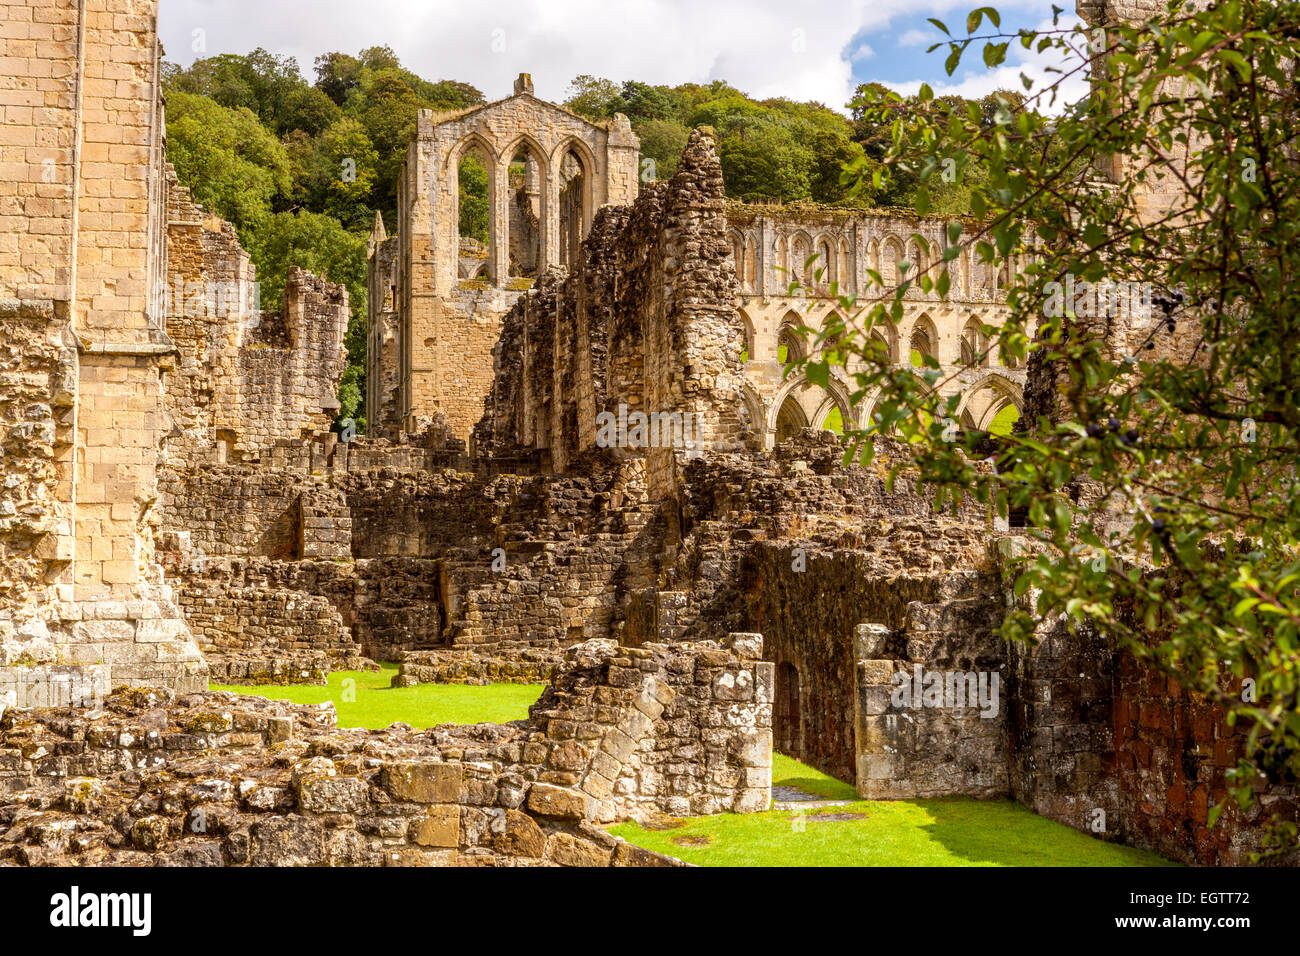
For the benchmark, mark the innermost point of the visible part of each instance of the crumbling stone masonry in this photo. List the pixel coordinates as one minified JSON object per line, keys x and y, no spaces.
{"x":247,"y":378}
{"x":645,"y":321}
{"x":165,"y":465}
{"x":217,"y":779}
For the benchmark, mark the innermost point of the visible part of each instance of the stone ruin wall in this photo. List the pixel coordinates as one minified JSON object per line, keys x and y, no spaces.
{"x":1095,"y":729}
{"x":248,"y":378}
{"x":82,"y":203}
{"x":380,"y":548}
{"x":444,"y":324}
{"x":647,"y":319}
{"x":216,"y":779}
{"x":460,"y":565}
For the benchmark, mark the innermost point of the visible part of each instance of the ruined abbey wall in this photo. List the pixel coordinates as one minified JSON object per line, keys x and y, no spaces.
{"x":444,"y":325}
{"x":619,"y":735}
{"x":644,"y":325}
{"x":248,"y":377}
{"x":771,"y":248}
{"x":82,"y":251}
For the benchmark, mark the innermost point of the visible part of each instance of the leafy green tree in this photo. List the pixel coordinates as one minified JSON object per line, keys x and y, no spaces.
{"x":766,"y":160}
{"x":338,"y":76}
{"x":310,"y":110}
{"x":594,"y":97}
{"x":233,"y":164}
{"x":663,"y":140}
{"x":642,"y":102}
{"x":320,"y":245}
{"x":340,"y":173}
{"x":1159,"y":470}
{"x":475,"y":210}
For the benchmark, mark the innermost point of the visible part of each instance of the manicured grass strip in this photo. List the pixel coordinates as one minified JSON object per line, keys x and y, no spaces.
{"x":371,"y":703}
{"x":788,"y":772}
{"x":948,"y":832}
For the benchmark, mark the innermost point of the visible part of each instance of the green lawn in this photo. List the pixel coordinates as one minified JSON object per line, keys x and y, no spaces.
{"x":370,"y":702}
{"x":946,"y":832}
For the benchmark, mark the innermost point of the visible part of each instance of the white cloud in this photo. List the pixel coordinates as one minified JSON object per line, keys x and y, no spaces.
{"x":920,"y":37}
{"x":764,"y":47}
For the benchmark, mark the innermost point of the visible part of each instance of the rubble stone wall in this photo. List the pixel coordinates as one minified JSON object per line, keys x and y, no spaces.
{"x":645,"y":319}
{"x":840,"y":631}
{"x":1108,"y":745}
{"x":245,"y":781}
{"x":248,"y":378}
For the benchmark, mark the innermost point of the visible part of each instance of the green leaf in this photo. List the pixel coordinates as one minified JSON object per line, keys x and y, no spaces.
{"x":994,"y":54}
{"x":954,"y":58}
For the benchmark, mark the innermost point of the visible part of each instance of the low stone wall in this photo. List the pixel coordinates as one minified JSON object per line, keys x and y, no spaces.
{"x":218,"y":779}
{"x":836,"y":707}
{"x":1108,"y":745}
{"x":504,"y":663}
{"x":681,"y":729}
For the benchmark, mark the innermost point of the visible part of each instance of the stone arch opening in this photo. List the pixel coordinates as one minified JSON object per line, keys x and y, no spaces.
{"x":787,"y":717}
{"x":526,"y":174}
{"x":738,"y":257}
{"x":780,"y":265}
{"x":991,"y":405}
{"x":800,"y":253}
{"x":747,"y":345}
{"x":791,"y":418}
{"x":843,"y":268}
{"x":574,"y":184}
{"x":825,"y":262}
{"x":923,"y":342}
{"x":891,"y":254}
{"x":881,"y":347}
{"x":919,"y":256}
{"x":475,"y":234}
{"x":974,"y":344}
{"x":790,"y":345}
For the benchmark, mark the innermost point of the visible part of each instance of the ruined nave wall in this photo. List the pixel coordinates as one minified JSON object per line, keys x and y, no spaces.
{"x":646,"y":320}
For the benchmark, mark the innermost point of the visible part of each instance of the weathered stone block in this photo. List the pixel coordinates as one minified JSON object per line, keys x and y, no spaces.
{"x":439,"y":826}
{"x":549,"y":800}
{"x":423,"y":781}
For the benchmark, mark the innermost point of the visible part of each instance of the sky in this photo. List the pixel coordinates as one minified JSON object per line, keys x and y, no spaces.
{"x":815,"y":50}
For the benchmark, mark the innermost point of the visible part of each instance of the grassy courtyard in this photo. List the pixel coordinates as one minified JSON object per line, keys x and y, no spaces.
{"x":946,"y":832}
{"x":365,"y":699}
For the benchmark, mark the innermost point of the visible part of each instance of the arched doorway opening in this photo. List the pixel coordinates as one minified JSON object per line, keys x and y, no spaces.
{"x":791,"y":419}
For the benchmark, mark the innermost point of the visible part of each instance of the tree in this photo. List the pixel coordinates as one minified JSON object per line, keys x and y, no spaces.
{"x":642,"y":102}
{"x":475,"y":210}
{"x":234,"y":166}
{"x":310,"y":110}
{"x":337,"y":76}
{"x":766,"y":160}
{"x":662,"y":142}
{"x":594,"y":97}
{"x":339,"y":173}
{"x":1158,"y":468}
{"x":320,"y":245}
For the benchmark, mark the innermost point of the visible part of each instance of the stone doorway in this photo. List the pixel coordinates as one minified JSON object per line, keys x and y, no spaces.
{"x":787,"y":723}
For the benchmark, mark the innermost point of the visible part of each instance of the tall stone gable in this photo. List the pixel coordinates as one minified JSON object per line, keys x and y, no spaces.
{"x":441,"y":299}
